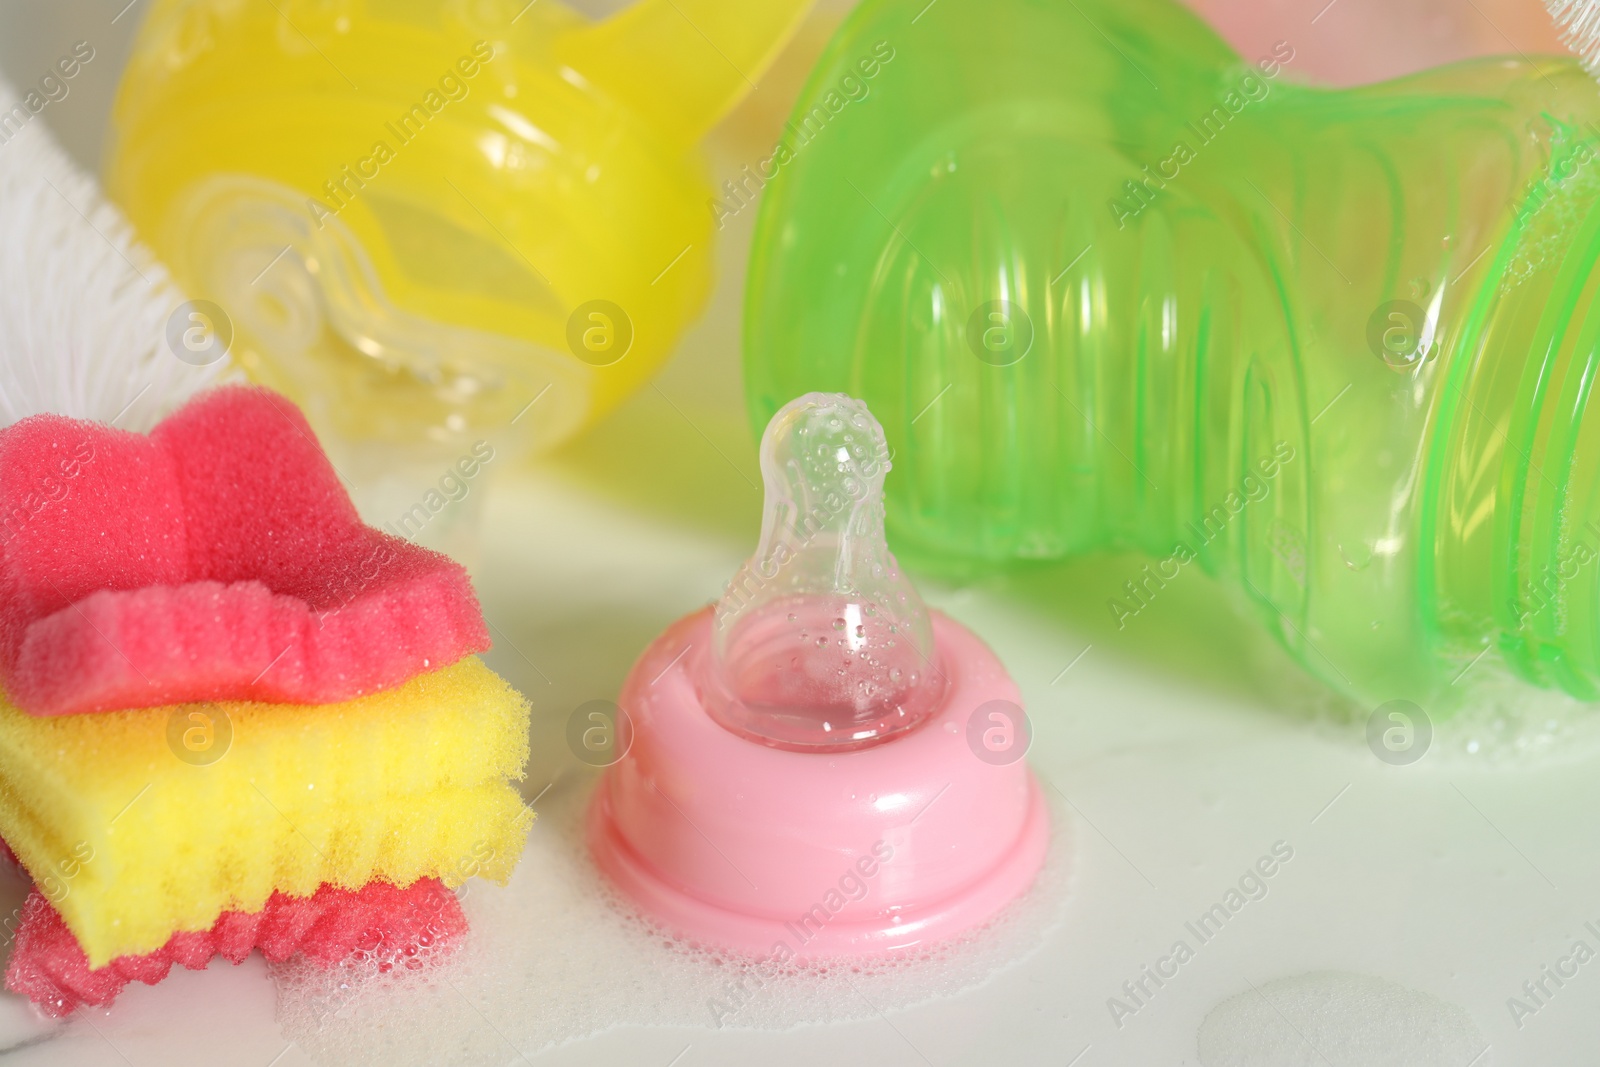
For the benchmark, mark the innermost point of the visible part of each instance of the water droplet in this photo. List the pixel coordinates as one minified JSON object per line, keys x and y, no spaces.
{"x":838,"y":624}
{"x":1357,"y":559}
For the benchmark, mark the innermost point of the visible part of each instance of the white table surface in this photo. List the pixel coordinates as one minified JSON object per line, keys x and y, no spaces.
{"x":1458,"y":876}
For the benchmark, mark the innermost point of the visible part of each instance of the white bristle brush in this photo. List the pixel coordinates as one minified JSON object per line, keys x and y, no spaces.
{"x":83,"y":306}
{"x":1579,"y":23}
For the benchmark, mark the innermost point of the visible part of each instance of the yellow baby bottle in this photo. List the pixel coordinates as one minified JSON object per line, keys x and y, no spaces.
{"x":433,"y":223}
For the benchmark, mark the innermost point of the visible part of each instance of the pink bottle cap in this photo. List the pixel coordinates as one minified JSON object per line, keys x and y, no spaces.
{"x":819,"y":765}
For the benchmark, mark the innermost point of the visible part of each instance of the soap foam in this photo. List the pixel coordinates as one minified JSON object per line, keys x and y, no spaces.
{"x":1506,"y":720}
{"x":557,"y":956}
{"x":1311,"y":1020}
{"x":1498,"y":719}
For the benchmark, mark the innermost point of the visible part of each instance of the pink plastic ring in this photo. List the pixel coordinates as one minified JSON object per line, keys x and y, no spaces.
{"x":734,"y":844}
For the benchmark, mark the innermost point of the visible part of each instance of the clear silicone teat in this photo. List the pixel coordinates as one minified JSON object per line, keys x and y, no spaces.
{"x":820,"y":642}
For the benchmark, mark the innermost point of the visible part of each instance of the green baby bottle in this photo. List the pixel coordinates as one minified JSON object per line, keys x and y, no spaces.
{"x":1109,"y":285}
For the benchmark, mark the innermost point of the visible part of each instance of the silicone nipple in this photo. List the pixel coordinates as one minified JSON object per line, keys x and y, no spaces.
{"x":820,"y":642}
{"x":718,"y":825}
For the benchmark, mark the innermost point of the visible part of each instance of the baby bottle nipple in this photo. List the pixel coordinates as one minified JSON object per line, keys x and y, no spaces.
{"x":721,"y":826}
{"x":820,"y":642}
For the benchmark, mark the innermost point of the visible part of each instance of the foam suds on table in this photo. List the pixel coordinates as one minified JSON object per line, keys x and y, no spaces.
{"x":1498,"y":719}
{"x":556,"y":957}
{"x":1506,"y":719}
{"x":1311,"y":1020}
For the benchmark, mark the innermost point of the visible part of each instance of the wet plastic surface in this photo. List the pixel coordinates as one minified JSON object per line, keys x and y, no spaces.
{"x":1129,"y":290}
{"x":1435,"y":876}
{"x":430,"y":224}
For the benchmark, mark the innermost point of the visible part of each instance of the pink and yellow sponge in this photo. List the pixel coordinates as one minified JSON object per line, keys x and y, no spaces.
{"x":395,"y":786}
{"x":219,"y":558}
{"x":48,"y":965}
{"x":225,"y":695}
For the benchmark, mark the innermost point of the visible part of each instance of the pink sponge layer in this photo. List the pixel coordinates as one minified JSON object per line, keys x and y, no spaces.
{"x":218,"y":558}
{"x":50,"y":969}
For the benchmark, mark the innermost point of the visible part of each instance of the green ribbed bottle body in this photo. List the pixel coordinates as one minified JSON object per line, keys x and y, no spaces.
{"x":1108,"y":285}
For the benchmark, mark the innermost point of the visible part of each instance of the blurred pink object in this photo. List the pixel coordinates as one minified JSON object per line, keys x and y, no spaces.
{"x":1352,"y":42}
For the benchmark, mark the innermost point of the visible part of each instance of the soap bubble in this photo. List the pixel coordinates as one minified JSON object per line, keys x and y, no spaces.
{"x":1311,"y":1020}
{"x":559,"y":955}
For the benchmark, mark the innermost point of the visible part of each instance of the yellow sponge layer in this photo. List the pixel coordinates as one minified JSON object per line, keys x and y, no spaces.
{"x":134,"y":835}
